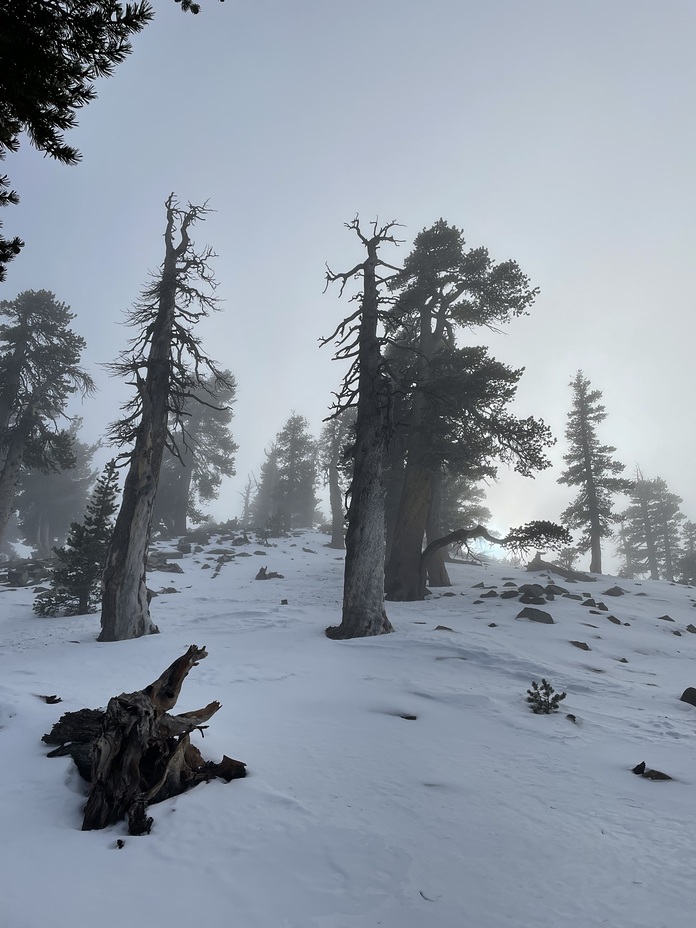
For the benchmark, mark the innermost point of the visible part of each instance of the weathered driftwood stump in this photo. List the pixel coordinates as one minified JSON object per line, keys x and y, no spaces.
{"x":135,"y":753}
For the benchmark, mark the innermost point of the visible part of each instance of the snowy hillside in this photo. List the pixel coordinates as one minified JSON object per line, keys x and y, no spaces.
{"x":400,"y":782}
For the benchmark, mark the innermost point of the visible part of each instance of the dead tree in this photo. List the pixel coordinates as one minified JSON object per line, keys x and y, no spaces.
{"x":135,"y":753}
{"x":167,"y":368}
{"x":366,"y":388}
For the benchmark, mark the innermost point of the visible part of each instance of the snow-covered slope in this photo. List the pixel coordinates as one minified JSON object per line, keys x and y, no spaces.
{"x":400,"y":782}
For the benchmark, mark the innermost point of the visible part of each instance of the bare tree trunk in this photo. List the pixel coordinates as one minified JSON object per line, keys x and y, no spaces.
{"x":125,"y":609}
{"x":363,"y":587}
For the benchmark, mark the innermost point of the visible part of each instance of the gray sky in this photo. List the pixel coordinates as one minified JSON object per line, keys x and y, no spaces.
{"x":558,"y":134}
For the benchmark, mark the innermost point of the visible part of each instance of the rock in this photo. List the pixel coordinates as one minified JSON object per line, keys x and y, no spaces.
{"x":689,"y":695}
{"x":492,"y":625}
{"x":666,"y":618}
{"x":530,"y":599}
{"x":533,"y":589}
{"x":183,"y":546}
{"x":167,"y":568}
{"x":677,"y":632}
{"x":622,"y":660}
{"x":691,"y":628}
{"x":509,"y":583}
{"x":612,"y":618}
{"x":489,"y":595}
{"x":614,"y":591}
{"x":509,"y":594}
{"x":449,"y":594}
{"x":575,"y":596}
{"x":536,"y":615}
{"x":590,"y":602}
{"x":554,"y":590}
{"x":443,"y":628}
{"x":603,"y":607}
{"x":582,"y":645}
{"x":642,"y":771}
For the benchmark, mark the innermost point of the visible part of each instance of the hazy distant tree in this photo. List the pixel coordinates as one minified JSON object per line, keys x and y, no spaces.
{"x":297,"y":472}
{"x":193,"y":469}
{"x":247,"y":495}
{"x":366,"y":388}
{"x":51,"y":52}
{"x":568,"y":557}
{"x":166,"y":365}
{"x":650,"y":531}
{"x":39,"y":372}
{"x":686,"y":565}
{"x":455,"y":414}
{"x":265,"y":513}
{"x":335,"y":443}
{"x":592,"y":468}
{"x":76,"y":582}
{"x":47,"y":503}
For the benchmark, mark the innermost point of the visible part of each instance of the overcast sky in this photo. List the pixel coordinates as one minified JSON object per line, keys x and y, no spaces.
{"x":559,"y":134}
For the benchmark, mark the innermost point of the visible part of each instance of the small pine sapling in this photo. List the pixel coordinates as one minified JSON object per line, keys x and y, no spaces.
{"x":75,"y":584}
{"x":543,"y":699}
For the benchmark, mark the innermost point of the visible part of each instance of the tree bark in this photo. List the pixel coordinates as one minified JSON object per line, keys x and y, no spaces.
{"x":12,"y":466}
{"x":336,"y":501}
{"x":363,"y":586}
{"x":403,"y":568}
{"x":125,"y":609}
{"x":437,"y":571}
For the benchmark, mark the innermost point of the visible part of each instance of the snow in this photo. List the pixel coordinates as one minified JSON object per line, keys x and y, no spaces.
{"x":475,"y":814}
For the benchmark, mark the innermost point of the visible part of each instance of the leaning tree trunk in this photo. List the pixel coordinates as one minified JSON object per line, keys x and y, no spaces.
{"x":125,"y":608}
{"x":363,"y":586}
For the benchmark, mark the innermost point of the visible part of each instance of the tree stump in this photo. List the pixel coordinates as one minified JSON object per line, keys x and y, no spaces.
{"x":135,"y":753}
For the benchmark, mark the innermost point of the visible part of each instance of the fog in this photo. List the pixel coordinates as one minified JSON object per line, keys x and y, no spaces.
{"x":558,"y":135}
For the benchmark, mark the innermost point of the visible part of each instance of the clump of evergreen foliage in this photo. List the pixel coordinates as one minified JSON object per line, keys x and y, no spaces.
{"x":76,"y":583}
{"x":543,"y":699}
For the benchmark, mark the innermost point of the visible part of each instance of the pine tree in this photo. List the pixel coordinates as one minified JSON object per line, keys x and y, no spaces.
{"x":592,"y":469}
{"x":285,"y":497}
{"x":297,"y":472}
{"x":47,"y":503}
{"x":165,"y":364}
{"x":334,"y":445}
{"x":193,"y":468}
{"x":39,"y":372}
{"x":649,"y":540}
{"x":76,"y":583}
{"x":686,"y":564}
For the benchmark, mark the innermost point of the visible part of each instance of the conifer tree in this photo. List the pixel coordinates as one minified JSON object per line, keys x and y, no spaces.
{"x":335,"y":443}
{"x":592,"y":468}
{"x":193,"y":467}
{"x":650,"y":532}
{"x":165,"y":363}
{"x":76,"y":583}
{"x":39,"y":372}
{"x":686,"y":565}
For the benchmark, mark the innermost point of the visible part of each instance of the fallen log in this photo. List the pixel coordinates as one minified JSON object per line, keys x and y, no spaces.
{"x":135,"y":753}
{"x":537,"y":564}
